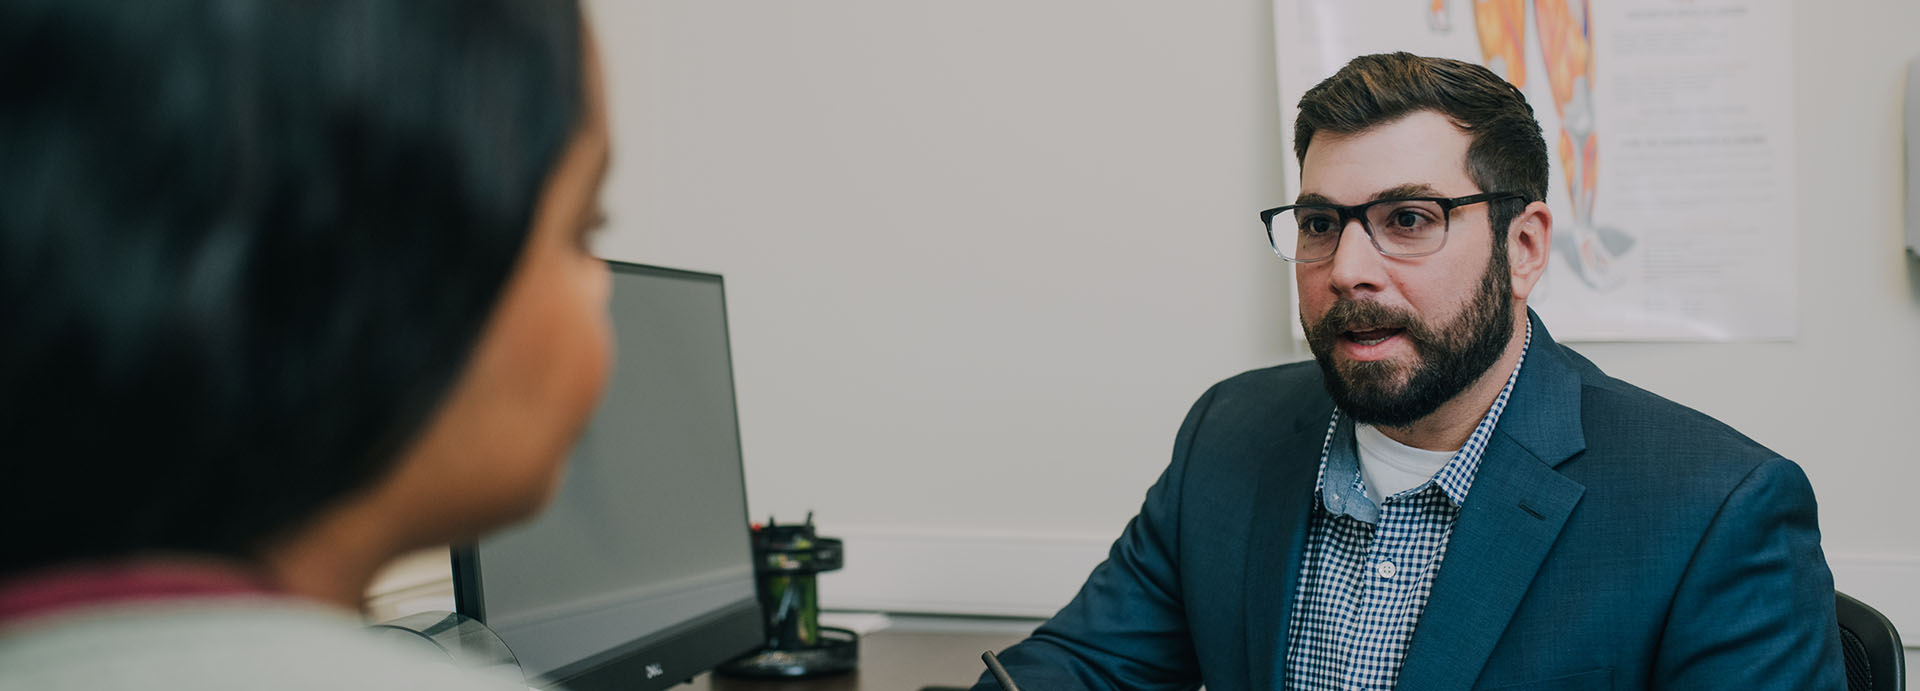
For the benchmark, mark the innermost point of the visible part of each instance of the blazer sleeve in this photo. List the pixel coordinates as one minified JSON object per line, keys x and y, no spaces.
{"x":1755,"y":608}
{"x":1127,"y":627}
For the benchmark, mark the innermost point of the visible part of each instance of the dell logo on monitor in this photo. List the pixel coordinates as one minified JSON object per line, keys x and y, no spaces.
{"x":654,"y":670}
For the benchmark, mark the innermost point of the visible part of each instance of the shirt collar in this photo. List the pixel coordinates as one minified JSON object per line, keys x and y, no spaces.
{"x":1340,"y":462}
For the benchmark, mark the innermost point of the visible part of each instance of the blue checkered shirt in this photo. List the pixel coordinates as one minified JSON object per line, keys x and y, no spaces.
{"x":1367,"y":569}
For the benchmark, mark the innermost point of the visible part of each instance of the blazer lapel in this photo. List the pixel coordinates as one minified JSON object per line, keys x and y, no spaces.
{"x":1275,"y":540}
{"x":1507,"y":525}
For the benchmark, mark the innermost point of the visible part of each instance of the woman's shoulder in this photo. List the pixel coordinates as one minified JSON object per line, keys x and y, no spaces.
{"x":218,"y":644}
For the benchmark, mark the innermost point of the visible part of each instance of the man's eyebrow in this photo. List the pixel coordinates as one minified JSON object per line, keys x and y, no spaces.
{"x":1415,"y":189}
{"x":1412,"y":189}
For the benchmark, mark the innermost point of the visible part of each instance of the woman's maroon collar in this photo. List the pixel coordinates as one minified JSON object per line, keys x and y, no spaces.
{"x":76,"y":586}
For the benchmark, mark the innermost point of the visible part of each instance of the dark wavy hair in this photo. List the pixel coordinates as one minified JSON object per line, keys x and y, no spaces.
{"x":246,"y":248}
{"x":1507,"y":152}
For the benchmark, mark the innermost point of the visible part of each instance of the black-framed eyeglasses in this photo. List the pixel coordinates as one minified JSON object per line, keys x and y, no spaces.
{"x":1398,"y":227}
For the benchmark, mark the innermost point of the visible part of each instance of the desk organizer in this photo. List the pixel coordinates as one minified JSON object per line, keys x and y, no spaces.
{"x":787,"y":558}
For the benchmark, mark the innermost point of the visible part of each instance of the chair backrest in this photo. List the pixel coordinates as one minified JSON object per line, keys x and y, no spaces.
{"x":1871,"y":646}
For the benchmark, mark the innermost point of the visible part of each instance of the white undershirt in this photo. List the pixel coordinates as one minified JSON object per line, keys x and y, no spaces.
{"x":1390,"y":467}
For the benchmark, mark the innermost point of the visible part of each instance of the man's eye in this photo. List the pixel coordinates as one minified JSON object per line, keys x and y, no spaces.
{"x":1317,"y":225}
{"x":1412,"y":219}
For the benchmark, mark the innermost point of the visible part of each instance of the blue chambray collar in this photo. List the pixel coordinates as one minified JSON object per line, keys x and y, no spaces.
{"x":1341,"y":462}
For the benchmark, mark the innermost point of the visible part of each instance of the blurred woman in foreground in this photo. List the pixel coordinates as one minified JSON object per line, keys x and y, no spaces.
{"x":287,"y":288}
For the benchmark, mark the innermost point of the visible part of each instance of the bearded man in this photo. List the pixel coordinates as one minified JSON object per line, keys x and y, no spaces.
{"x":1447,"y":498}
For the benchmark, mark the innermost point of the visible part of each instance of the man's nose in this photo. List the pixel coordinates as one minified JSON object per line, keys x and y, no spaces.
{"x":1357,"y":264}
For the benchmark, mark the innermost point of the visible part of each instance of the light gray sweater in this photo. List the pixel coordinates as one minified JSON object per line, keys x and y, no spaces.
{"x":218,"y":644}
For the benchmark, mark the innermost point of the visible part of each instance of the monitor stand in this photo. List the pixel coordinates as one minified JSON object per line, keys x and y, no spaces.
{"x":469,"y":643}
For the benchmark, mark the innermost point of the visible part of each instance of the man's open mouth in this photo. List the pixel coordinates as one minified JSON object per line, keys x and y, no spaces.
{"x":1369,"y":336}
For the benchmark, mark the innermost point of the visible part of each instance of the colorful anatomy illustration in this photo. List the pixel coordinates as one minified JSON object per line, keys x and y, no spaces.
{"x":1565,"y":34}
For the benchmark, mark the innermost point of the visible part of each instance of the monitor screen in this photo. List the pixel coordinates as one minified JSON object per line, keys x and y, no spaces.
{"x":639,"y":575}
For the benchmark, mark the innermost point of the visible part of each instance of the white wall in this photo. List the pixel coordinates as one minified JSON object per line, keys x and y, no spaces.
{"x":981,"y":256}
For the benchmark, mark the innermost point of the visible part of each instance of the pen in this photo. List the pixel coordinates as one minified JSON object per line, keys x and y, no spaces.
{"x":999,"y":672}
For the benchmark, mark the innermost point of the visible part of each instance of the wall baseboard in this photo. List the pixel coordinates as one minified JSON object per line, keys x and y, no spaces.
{"x":1889,"y":583}
{"x":1025,"y":575}
{"x":978,"y":574}
{"x":1034,"y":575}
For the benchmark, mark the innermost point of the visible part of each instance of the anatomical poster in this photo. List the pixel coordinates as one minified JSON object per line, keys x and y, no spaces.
{"x":1669,"y":130}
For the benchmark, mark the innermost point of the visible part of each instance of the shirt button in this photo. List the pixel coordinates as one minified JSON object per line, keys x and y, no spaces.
{"x":1386,"y":569}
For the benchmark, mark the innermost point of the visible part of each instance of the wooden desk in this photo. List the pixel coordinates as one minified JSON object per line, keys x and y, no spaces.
{"x":889,"y":661}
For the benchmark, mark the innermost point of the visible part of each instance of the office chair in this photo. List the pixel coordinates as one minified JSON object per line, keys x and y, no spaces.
{"x":1871,"y":646}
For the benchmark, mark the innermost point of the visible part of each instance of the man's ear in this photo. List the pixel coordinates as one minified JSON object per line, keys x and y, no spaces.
{"x":1529,"y":241}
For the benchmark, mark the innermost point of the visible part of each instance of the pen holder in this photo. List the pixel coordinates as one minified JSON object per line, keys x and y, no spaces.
{"x":787,"y":558}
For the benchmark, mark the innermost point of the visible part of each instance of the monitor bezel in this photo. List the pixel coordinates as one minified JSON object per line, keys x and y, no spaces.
{"x":713,"y":638}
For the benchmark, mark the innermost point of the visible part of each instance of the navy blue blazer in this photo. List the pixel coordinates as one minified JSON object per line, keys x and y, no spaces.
{"x":1612,"y":540}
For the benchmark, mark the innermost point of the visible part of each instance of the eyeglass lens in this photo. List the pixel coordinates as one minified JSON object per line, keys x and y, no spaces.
{"x":1399,"y":227}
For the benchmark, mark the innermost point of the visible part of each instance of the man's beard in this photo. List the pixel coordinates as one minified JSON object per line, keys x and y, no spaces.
{"x":1450,"y":358}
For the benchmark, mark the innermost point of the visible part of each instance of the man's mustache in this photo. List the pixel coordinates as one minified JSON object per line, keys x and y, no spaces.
{"x":1362,"y":315}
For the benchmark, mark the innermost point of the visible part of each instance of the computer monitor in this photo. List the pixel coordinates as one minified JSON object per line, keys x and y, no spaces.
{"x":639,"y":575}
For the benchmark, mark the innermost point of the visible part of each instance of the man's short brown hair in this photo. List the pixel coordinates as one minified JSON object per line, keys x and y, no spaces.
{"x":1507,"y":152}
